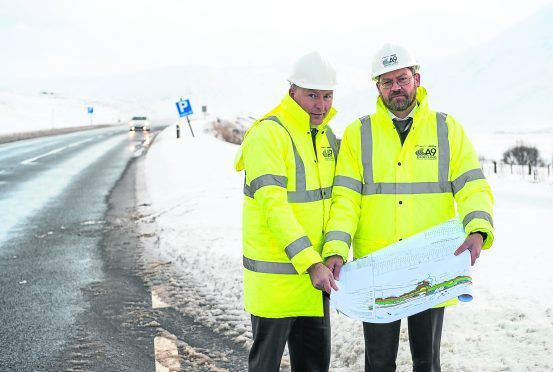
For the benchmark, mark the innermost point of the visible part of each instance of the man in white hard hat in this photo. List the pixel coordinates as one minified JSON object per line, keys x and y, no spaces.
{"x":403,"y":170}
{"x":289,"y":160}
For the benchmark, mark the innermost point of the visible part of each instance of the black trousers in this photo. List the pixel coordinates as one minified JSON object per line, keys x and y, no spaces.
{"x":425,"y":333}
{"x":308,"y":343}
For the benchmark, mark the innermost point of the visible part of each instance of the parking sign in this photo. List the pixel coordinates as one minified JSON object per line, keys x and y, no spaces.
{"x":184,"y":108}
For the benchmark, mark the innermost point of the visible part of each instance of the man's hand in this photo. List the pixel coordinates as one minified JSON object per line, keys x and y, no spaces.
{"x":334,"y":264}
{"x":322,"y":278}
{"x":473,"y":243}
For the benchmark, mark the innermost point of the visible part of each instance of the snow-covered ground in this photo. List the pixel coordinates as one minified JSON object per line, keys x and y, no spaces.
{"x":197,"y":200}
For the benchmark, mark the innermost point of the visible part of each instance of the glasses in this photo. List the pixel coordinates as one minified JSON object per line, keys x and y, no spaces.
{"x":401,"y":81}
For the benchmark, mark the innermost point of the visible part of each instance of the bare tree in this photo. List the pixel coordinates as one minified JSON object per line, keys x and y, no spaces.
{"x":522,"y":155}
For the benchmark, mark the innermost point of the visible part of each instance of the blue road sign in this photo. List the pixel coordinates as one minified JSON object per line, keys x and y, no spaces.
{"x":184,"y":107}
{"x":90,"y":110}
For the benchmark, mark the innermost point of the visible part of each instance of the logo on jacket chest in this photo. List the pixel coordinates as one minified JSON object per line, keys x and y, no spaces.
{"x":426,"y":152}
{"x":328,"y":154}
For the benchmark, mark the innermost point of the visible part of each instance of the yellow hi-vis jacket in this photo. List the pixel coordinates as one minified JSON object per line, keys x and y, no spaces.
{"x":286,"y":207}
{"x":384,"y":192}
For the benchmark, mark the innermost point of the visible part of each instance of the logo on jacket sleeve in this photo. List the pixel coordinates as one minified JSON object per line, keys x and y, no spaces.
{"x":328,"y":153}
{"x":426,"y":152}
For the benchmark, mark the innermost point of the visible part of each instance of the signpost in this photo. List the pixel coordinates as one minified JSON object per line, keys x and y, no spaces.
{"x":90,"y":111}
{"x":185,"y":109}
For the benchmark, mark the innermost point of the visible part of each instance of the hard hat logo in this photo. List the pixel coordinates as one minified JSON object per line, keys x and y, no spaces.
{"x":390,"y":60}
{"x":392,"y":57}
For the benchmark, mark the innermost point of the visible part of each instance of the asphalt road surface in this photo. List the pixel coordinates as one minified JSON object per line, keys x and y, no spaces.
{"x":53,"y":198}
{"x":73,"y":293}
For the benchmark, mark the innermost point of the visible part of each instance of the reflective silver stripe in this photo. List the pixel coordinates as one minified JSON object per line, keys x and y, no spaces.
{"x":349,"y":182}
{"x":367,"y":149}
{"x":297,"y":246}
{"x":471,"y":175}
{"x":302,"y":195}
{"x":301,"y":183}
{"x":333,"y":142}
{"x":268,"y":267}
{"x":477,"y":214}
{"x":443,"y":148}
{"x":406,"y":188}
{"x":266,"y":180}
{"x":326,"y":192}
{"x":309,"y":195}
{"x":247,"y":190}
{"x":371,"y":188}
{"x":338,"y":235}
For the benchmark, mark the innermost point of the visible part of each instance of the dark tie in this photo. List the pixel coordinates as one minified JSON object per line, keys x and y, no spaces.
{"x":314,"y":132}
{"x":402,"y":125}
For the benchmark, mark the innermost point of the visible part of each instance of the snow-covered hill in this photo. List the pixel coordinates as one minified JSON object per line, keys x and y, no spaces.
{"x":49,"y":110}
{"x":501,"y":86}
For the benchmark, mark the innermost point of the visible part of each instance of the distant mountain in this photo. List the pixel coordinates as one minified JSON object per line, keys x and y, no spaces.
{"x":48,"y":110}
{"x":233,"y":90}
{"x":503,"y":85}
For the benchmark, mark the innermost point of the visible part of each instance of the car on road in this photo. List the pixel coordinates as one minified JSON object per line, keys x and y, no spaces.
{"x":139,"y":123}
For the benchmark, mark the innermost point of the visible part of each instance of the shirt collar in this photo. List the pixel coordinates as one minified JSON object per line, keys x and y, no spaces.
{"x":410,"y":115}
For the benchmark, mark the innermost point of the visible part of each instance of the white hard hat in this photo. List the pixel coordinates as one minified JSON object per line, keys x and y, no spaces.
{"x":392,"y":57}
{"x":313,"y":71}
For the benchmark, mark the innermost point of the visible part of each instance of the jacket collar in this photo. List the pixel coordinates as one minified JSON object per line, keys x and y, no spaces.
{"x":296,"y":117}
{"x":293,"y":118}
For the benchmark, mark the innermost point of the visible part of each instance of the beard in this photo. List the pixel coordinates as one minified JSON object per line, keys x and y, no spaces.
{"x":396,"y":105}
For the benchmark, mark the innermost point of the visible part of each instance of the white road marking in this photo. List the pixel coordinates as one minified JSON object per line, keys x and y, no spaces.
{"x":91,"y":222}
{"x":166,"y":354}
{"x":157,"y":302}
{"x":55,"y":151}
{"x":138,"y":152}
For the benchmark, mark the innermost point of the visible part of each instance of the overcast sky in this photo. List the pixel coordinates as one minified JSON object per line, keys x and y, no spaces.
{"x":62,"y":38}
